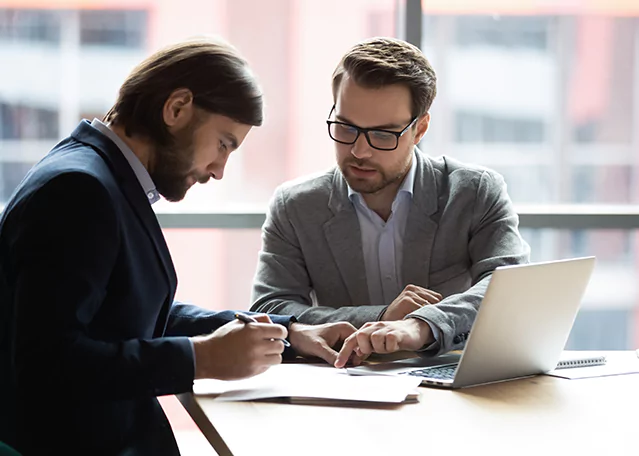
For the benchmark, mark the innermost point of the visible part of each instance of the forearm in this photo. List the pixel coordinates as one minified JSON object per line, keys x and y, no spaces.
{"x":81,"y":367}
{"x":189,"y":320}
{"x":314,"y":315}
{"x":453,"y":317}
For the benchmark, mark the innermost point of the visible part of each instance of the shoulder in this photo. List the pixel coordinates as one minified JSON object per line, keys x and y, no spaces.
{"x":458,"y":174}
{"x":310,"y":189}
{"x":71,"y":170}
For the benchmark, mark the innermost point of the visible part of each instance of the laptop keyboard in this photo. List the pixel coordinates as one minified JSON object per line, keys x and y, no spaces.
{"x":439,"y":373}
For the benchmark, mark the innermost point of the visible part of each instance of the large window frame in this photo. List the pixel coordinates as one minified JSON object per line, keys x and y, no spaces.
{"x":553,"y":216}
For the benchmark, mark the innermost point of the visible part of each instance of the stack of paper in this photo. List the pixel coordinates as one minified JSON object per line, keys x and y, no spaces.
{"x":311,"y":383}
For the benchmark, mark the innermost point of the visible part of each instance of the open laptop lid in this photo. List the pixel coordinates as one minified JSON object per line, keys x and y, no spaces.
{"x":524,"y":320}
{"x":521,"y":328}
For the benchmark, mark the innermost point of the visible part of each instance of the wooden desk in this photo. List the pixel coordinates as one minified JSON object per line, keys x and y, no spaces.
{"x":540,"y":415}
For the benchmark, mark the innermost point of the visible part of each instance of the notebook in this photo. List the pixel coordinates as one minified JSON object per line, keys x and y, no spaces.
{"x":312,"y":384}
{"x":521,"y":327}
{"x":571,"y":360}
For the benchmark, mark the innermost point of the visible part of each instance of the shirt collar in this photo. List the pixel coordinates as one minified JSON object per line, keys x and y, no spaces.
{"x":136,"y":165}
{"x":406,"y":187}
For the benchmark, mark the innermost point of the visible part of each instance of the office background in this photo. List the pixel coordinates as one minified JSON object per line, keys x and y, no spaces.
{"x":545,"y":92}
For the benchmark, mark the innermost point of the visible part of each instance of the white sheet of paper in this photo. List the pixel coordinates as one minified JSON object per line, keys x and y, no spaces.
{"x":310,"y":381}
{"x":621,"y":363}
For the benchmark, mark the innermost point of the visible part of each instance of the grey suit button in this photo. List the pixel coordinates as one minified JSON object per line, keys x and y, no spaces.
{"x":457,"y":339}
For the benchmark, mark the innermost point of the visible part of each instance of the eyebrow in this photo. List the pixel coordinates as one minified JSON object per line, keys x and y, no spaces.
{"x":231,"y":138}
{"x":376,"y":127}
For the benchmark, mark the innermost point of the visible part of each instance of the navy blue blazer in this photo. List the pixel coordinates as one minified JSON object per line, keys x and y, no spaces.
{"x":89,"y":330}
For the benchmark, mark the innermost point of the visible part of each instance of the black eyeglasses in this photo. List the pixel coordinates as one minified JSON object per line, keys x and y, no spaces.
{"x":345,"y":133}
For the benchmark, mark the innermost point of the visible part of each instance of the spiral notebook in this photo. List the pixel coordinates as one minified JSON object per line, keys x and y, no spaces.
{"x":570,"y":359}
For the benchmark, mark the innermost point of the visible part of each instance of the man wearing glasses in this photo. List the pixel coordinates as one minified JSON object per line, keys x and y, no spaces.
{"x":398,"y":243}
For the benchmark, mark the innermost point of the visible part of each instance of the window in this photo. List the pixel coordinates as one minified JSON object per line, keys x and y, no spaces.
{"x":486,"y":128}
{"x":113,"y":28}
{"x":27,"y":122}
{"x":29,"y":26}
{"x":503,"y":31}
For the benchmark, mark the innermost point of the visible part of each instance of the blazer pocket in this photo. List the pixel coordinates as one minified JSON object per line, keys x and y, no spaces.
{"x":447,"y":274}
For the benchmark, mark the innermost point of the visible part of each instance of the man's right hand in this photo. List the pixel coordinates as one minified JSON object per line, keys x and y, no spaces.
{"x":412,"y":298}
{"x":239,"y":350}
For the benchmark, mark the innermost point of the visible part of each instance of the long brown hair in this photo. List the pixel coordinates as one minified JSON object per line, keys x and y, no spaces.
{"x":217,"y":76}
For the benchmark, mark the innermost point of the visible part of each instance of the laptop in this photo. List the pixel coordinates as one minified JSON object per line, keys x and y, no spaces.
{"x":520,"y":330}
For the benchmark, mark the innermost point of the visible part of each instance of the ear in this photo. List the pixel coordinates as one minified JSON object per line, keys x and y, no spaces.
{"x":178,"y":109}
{"x":422,"y":127}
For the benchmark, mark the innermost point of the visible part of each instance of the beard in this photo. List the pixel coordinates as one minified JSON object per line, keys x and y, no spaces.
{"x":376,"y":183}
{"x":173,"y":165}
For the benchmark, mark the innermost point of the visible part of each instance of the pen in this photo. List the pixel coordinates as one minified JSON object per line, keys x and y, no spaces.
{"x":248,"y":319}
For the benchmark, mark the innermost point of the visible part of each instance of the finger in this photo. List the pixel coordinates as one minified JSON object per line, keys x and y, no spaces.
{"x":272,"y":347}
{"x":262,"y":318}
{"x":349,"y":346}
{"x":325,"y":352}
{"x":392,"y":342}
{"x":268,"y":330}
{"x":424,"y":292}
{"x":415,"y":298}
{"x":345,"y":329}
{"x":357,"y":359}
{"x":364,"y":340}
{"x":378,"y":341}
{"x":272,"y":360}
{"x":431,"y":296}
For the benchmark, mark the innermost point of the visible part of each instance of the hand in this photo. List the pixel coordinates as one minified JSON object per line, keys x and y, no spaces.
{"x":319,"y":340}
{"x":412,"y":298}
{"x":385,"y":337}
{"x":239,"y":350}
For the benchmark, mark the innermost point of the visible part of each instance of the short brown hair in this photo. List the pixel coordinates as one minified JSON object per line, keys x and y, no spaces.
{"x":218,"y":77}
{"x":379,"y":62}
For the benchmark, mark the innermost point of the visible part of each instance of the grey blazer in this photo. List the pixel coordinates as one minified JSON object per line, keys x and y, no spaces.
{"x":461,"y":225}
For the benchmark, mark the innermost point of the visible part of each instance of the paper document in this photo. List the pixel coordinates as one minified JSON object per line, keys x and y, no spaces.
{"x":617,"y":363}
{"x":313,"y":382}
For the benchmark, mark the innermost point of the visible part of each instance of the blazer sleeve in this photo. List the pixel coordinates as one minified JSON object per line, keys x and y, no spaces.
{"x":63,"y":254}
{"x":494,"y":241}
{"x":189,"y":320}
{"x":282,"y":283}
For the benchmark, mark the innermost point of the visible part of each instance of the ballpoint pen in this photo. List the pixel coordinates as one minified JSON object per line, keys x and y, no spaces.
{"x":248,"y":319}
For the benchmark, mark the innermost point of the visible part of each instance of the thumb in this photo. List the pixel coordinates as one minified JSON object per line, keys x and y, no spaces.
{"x":325,"y":352}
{"x":262,"y":318}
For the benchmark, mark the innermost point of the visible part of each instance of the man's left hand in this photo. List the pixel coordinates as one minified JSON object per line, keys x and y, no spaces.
{"x":319,"y":340}
{"x":385,"y":337}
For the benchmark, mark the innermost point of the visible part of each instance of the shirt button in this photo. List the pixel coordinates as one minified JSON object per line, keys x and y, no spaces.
{"x":150,"y":195}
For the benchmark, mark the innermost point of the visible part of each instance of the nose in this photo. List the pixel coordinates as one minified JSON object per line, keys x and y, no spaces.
{"x":361,"y":149}
{"x":216,"y":169}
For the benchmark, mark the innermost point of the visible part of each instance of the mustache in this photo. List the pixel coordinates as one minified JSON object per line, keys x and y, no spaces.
{"x":359,"y":163}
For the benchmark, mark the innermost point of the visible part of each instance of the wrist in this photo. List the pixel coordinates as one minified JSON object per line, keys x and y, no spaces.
{"x":294,"y":330}
{"x":200,"y":361}
{"x":425,"y":336}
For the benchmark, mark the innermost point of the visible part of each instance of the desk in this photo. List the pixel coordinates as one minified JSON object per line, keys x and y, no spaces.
{"x":539,"y":415}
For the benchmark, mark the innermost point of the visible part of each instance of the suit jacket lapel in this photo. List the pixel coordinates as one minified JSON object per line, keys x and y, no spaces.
{"x":421,"y":225}
{"x":345,"y":242}
{"x":135,"y":195}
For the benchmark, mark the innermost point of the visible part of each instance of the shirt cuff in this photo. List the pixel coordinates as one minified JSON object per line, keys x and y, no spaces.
{"x":192,"y":351}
